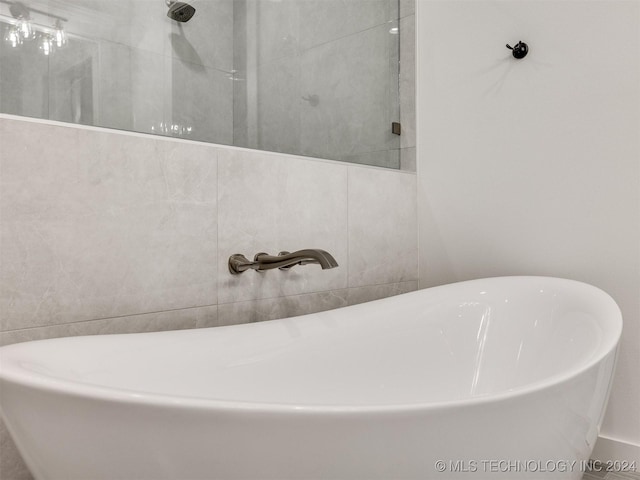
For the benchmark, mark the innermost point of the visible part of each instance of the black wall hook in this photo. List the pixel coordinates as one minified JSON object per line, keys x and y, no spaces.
{"x":520,"y":50}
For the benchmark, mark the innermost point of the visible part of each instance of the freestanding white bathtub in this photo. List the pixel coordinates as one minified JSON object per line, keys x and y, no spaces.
{"x":496,"y":378}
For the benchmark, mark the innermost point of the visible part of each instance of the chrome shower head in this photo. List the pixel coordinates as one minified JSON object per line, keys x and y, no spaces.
{"x":180,"y":11}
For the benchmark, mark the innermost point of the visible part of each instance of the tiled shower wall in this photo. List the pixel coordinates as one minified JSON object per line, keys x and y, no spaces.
{"x":322,"y":79}
{"x":109,"y":232}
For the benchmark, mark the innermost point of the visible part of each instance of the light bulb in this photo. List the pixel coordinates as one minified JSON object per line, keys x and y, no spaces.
{"x":60,"y":35}
{"x":24,"y":27}
{"x":12,"y":36}
{"x":46,"y":44}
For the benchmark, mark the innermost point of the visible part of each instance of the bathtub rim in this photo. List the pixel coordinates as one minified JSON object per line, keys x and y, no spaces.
{"x":69,"y":387}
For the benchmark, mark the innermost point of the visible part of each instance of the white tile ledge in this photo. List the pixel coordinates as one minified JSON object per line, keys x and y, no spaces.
{"x":6,"y":116}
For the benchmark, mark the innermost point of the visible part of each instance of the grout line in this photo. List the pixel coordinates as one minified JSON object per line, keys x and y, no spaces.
{"x":348,"y":229}
{"x":352,"y":34}
{"x":317,"y":292}
{"x":284,"y":296}
{"x":53,"y":325}
{"x":299,"y":50}
{"x":217,"y":256}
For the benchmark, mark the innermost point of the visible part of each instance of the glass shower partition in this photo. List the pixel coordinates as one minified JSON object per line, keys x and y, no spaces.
{"x":307,"y":77}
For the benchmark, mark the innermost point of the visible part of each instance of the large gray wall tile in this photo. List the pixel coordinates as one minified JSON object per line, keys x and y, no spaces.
{"x":353,"y":113}
{"x":269,"y":203}
{"x":279,"y":24}
{"x":97,"y":225}
{"x":201,"y":98}
{"x":279,"y":104}
{"x":281,"y":307}
{"x":408,"y":159}
{"x":383,"y":232}
{"x":407,"y":7}
{"x":374,"y":292}
{"x":114,"y":87}
{"x":148,"y":90}
{"x":140,"y":24}
{"x":241,"y":109}
{"x":327,"y":20}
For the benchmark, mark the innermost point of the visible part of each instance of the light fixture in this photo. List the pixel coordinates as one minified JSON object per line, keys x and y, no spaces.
{"x":21,"y":13}
{"x":60,"y":35}
{"x":22,"y":28}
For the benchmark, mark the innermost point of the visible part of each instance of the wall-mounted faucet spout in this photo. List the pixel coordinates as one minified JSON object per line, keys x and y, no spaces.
{"x":238,"y":263}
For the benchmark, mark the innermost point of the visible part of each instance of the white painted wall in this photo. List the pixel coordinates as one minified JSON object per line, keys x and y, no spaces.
{"x":532,"y":166}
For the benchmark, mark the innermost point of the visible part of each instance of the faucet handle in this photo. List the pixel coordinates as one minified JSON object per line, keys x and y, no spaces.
{"x":256,"y":258}
{"x":280,"y":254}
{"x":288,"y":267}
